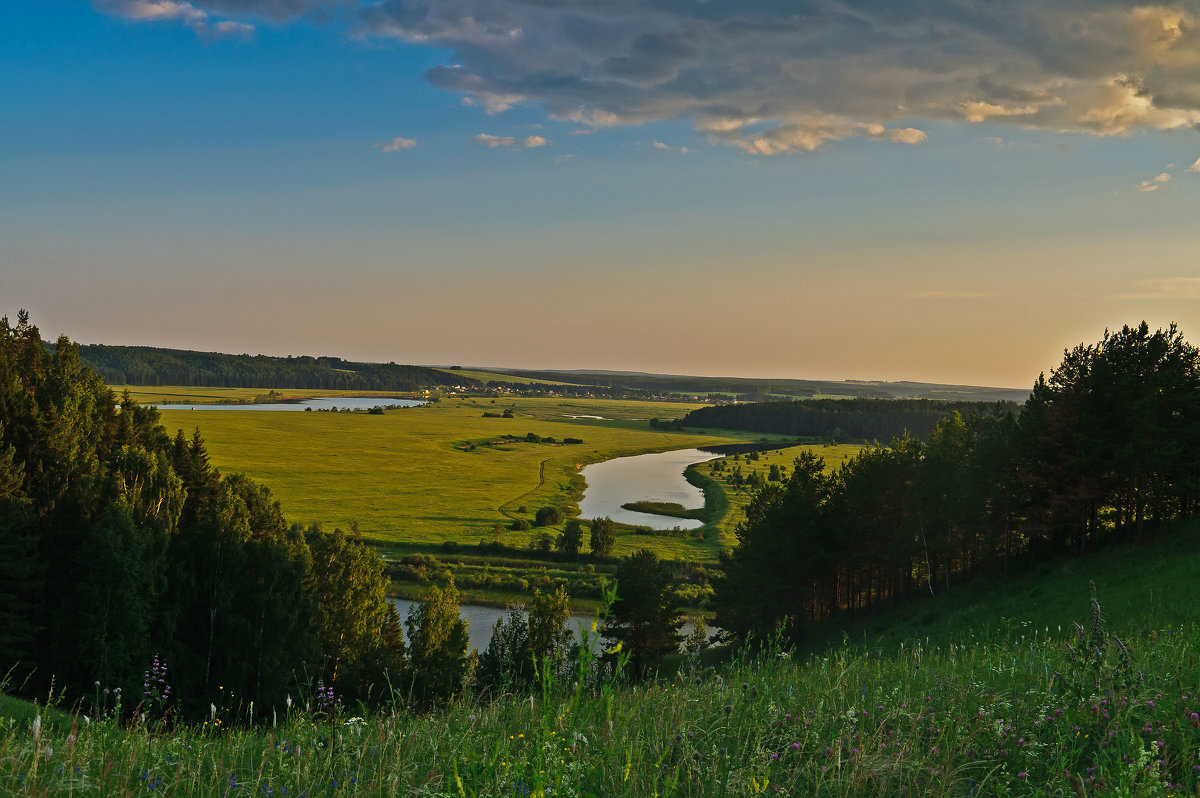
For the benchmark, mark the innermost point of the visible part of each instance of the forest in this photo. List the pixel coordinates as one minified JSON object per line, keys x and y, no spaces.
{"x":120,"y":545}
{"x":144,"y":365}
{"x":840,"y":420}
{"x":757,"y":390}
{"x":1106,"y":448}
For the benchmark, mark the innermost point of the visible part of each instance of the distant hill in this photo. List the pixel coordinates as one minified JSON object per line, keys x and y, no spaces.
{"x":145,"y":365}
{"x":745,"y":388}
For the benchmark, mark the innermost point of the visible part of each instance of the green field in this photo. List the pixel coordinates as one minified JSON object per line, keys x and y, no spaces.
{"x":441,"y":472}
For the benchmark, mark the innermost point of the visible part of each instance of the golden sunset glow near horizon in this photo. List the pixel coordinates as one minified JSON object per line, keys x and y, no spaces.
{"x":805,"y":190}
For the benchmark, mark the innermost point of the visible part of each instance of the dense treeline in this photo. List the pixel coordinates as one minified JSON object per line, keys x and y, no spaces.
{"x":837,"y":419}
{"x":122,"y":547}
{"x":753,"y":389}
{"x":727,"y":386}
{"x":1106,"y":446}
{"x":142,"y":365}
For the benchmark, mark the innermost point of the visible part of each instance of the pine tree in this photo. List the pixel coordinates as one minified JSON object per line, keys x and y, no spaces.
{"x":645,"y":618}
{"x":18,"y":564}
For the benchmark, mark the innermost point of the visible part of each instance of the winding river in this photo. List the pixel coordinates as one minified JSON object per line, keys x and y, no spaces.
{"x":644,"y":477}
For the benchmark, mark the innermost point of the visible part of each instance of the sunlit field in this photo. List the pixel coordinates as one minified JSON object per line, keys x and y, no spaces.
{"x":442,"y":472}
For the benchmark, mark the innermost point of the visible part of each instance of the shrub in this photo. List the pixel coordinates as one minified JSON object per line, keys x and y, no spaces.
{"x":548,"y":516}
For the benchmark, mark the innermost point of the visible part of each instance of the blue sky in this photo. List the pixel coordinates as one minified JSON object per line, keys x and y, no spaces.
{"x":804,"y":189}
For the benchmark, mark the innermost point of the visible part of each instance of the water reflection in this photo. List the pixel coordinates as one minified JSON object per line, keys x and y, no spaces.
{"x":644,"y":477}
{"x":319,"y":403}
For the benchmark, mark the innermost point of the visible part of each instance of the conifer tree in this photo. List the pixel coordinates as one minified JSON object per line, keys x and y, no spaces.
{"x":645,"y":618}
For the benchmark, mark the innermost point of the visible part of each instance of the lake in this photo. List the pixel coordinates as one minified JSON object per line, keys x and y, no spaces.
{"x":319,"y":403}
{"x":644,"y":477}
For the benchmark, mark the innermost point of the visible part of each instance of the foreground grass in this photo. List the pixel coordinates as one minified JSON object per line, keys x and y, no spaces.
{"x":953,"y":721}
{"x":1004,"y":710}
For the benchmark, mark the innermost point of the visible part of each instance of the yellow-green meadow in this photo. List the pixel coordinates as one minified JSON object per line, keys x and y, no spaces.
{"x":441,"y":472}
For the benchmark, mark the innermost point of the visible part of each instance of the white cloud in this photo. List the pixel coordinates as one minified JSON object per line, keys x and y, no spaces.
{"x":396,"y":145}
{"x":512,"y":142}
{"x":658,"y":145}
{"x":1153,"y":183}
{"x":191,"y":14}
{"x":783,"y":76}
{"x":979,"y":111}
{"x":1194,"y":167}
{"x":228,"y":27}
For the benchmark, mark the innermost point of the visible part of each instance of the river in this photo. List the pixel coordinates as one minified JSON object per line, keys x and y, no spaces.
{"x":481,"y":619}
{"x":644,"y":477}
{"x":319,"y":403}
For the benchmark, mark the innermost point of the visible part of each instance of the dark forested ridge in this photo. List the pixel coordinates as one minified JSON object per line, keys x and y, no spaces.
{"x":122,"y":548}
{"x":754,"y":389}
{"x":1105,"y":449}
{"x":839,"y":419}
{"x":144,"y":365}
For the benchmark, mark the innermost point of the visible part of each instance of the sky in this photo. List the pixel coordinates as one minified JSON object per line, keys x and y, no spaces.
{"x":941,"y":191}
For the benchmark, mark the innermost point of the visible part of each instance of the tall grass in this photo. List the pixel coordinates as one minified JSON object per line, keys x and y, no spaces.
{"x":1042,"y":714}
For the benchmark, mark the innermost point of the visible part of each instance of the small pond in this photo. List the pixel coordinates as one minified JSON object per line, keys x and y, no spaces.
{"x":319,"y":403}
{"x":644,"y":477}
